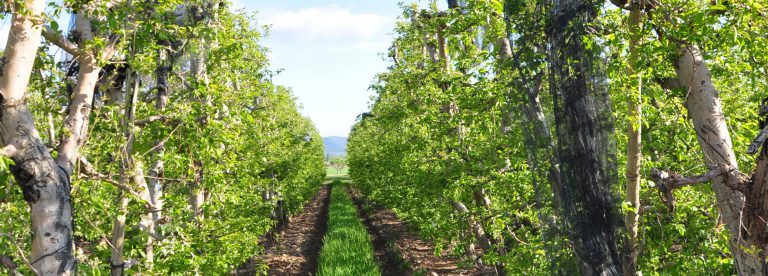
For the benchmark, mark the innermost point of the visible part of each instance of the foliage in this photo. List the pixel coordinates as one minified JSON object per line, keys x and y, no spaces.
{"x":436,"y":133}
{"x":253,"y":141}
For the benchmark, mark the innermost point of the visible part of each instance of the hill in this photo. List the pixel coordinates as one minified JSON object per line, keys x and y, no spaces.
{"x":335,"y":145}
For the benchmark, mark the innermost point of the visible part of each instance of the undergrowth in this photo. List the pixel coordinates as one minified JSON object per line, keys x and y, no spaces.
{"x":347,"y":247}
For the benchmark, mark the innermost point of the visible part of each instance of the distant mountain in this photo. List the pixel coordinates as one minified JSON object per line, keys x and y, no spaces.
{"x":335,"y":145}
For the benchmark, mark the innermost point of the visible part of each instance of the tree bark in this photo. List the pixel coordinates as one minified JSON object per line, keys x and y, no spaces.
{"x":197,"y":196}
{"x":8,"y":263}
{"x":475,"y":228}
{"x":537,"y":135}
{"x":117,"y":262}
{"x":484,"y":202}
{"x":76,"y":123}
{"x":155,"y":186}
{"x":127,"y":168}
{"x":585,"y":145}
{"x":539,"y":138}
{"x":538,"y":143}
{"x":45,"y":185}
{"x":705,"y":110}
{"x":634,"y":147}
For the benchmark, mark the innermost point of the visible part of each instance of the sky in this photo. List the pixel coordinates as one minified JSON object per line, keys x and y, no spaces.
{"x":330,"y":52}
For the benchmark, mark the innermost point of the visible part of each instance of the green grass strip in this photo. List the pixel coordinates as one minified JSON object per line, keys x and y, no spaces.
{"x":347,"y":247}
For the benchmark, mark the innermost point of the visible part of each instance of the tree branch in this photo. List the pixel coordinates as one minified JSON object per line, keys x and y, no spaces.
{"x":758,"y":141}
{"x":623,"y":4}
{"x":184,"y":80}
{"x":111,"y":48}
{"x":59,"y":40}
{"x":8,"y":151}
{"x":8,"y":263}
{"x":667,"y":181}
{"x":150,"y":119}
{"x":459,"y":207}
{"x":671,"y":181}
{"x":20,"y":252}
{"x":669,"y":83}
{"x":643,"y":4}
{"x":88,"y":171}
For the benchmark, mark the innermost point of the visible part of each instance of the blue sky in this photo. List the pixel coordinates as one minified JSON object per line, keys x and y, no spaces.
{"x":330,"y":52}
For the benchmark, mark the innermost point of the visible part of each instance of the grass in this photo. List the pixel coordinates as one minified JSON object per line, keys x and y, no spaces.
{"x":341,"y":178}
{"x":330,"y":171}
{"x":347,"y":247}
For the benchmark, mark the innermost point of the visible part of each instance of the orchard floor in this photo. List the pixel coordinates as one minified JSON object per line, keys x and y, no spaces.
{"x":398,"y":247}
{"x":398,"y":251}
{"x":296,"y":249}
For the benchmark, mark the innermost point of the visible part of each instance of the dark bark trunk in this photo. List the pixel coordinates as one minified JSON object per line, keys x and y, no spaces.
{"x":538,"y":138}
{"x":47,"y":190}
{"x":9,"y":264}
{"x":584,"y":129}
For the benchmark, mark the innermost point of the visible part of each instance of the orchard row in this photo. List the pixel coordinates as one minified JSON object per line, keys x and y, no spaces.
{"x":549,"y":137}
{"x":145,"y":137}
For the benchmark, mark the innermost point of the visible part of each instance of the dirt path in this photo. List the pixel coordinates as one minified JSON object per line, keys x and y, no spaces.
{"x":400,"y":251}
{"x":297,"y":248}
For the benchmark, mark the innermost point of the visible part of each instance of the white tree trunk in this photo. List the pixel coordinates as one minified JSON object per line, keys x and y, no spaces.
{"x":76,"y":123}
{"x":634,"y":148}
{"x":705,"y":110}
{"x":45,"y":185}
{"x":197,"y":197}
{"x":117,"y":262}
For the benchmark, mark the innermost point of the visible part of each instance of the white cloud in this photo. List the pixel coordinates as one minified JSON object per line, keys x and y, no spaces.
{"x":374,"y":46}
{"x":328,"y":22}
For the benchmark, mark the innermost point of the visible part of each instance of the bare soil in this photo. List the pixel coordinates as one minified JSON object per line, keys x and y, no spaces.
{"x":401,"y":251}
{"x":296,"y":248}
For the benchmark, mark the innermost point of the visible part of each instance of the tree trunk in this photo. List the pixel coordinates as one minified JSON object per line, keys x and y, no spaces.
{"x":538,"y":143}
{"x":127,"y":167}
{"x":197,"y":195}
{"x":475,"y":228}
{"x":45,"y":185}
{"x":705,"y":109}
{"x":484,"y":201}
{"x":148,"y":221}
{"x":542,"y":139}
{"x":585,"y":145}
{"x":486,"y":242}
{"x":51,"y":130}
{"x":116,"y":262}
{"x":634,"y":147}
{"x":76,"y":123}
{"x":155,"y":186}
